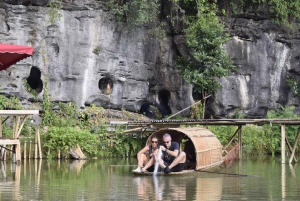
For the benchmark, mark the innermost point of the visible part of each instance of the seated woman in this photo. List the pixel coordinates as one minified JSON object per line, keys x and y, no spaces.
{"x":149,"y":150}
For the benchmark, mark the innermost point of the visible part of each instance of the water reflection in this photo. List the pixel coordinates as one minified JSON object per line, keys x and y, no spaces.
{"x":112,"y":180}
{"x":182,"y":187}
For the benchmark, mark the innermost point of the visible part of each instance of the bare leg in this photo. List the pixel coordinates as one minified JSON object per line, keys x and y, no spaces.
{"x":149,"y":164}
{"x":179,"y":159}
{"x":142,"y":160}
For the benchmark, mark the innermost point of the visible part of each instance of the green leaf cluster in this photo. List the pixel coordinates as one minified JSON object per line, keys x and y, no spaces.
{"x":205,"y":35}
{"x":10,"y":103}
{"x":54,"y":14}
{"x":137,"y":13}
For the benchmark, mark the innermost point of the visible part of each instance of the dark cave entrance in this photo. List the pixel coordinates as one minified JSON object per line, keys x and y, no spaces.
{"x":34,"y":80}
{"x":105,"y":85}
{"x":196,"y":95}
{"x":164,"y":97}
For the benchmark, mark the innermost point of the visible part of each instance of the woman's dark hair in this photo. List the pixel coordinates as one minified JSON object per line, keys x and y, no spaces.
{"x":154,"y":137}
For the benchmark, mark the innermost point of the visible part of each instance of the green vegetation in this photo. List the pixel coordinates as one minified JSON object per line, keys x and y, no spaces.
{"x":54,"y":14}
{"x":260,"y":140}
{"x":66,"y":127}
{"x":137,"y":13}
{"x":283,"y":12}
{"x":205,"y":36}
{"x":294,"y":85}
{"x":97,"y":50}
{"x":30,"y":90}
{"x":11,"y":103}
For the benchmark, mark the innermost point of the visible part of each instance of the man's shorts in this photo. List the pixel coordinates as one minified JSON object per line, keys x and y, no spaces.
{"x":178,"y":168}
{"x":151,"y":169}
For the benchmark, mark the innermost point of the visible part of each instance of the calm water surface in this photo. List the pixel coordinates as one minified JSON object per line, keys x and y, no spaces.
{"x":264,"y":179}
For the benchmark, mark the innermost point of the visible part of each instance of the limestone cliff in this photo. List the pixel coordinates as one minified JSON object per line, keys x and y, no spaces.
{"x":88,"y":58}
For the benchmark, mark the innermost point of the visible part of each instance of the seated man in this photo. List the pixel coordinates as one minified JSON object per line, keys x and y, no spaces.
{"x":171,"y":160}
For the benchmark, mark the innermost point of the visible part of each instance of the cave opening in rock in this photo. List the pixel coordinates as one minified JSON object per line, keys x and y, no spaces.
{"x":34,"y":80}
{"x":196,"y":95}
{"x":164,"y":97}
{"x":105,"y":85}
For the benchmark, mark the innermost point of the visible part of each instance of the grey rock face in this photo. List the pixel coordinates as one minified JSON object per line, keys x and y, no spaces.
{"x":262,"y":57}
{"x":88,"y":58}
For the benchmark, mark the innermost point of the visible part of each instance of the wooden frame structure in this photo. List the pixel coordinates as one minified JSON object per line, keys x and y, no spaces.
{"x":19,"y":118}
{"x":157,"y":124}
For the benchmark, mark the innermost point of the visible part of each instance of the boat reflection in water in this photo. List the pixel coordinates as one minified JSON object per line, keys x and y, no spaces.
{"x":179,"y":187}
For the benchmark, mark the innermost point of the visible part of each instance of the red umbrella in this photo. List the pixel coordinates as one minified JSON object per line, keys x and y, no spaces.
{"x":11,"y":54}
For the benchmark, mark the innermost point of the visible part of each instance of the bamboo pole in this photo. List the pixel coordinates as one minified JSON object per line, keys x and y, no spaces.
{"x":283,"y":178}
{"x":48,"y":153}
{"x":0,"y":126}
{"x":18,"y":153}
{"x":25,"y":150}
{"x":39,"y":143}
{"x":3,"y":153}
{"x":30,"y":149}
{"x":295,"y":146}
{"x":21,"y":126}
{"x":240,"y":142}
{"x":282,"y":143}
{"x":290,"y":147}
{"x":14,"y":126}
{"x":232,"y":137}
{"x":29,"y":134}
{"x":16,"y":129}
{"x":35,"y":144}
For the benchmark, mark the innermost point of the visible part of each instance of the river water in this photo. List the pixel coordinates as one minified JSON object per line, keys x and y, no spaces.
{"x":111,"y":179}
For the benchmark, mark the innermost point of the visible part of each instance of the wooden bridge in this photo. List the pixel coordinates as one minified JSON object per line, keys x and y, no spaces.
{"x":152,"y":125}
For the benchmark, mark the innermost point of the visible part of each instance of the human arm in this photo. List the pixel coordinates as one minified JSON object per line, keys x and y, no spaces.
{"x":173,"y":153}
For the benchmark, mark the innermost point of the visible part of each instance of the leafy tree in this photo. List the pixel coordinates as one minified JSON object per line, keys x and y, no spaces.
{"x":205,"y":36}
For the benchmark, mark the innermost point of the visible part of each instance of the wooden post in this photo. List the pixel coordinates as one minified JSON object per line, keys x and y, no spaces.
{"x":29,"y":153}
{"x":17,"y":127}
{"x":35,"y":143}
{"x":0,"y":126}
{"x":14,"y":126}
{"x":3,"y":153}
{"x":29,"y":134}
{"x":39,"y":143}
{"x":282,"y":143}
{"x":240,"y":142}
{"x":49,"y":149}
{"x":25,"y":147}
{"x":283,"y":181}
{"x":18,"y":153}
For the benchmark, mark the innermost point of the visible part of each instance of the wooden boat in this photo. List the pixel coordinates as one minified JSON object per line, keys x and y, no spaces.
{"x":202,"y":148}
{"x":162,"y":173}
